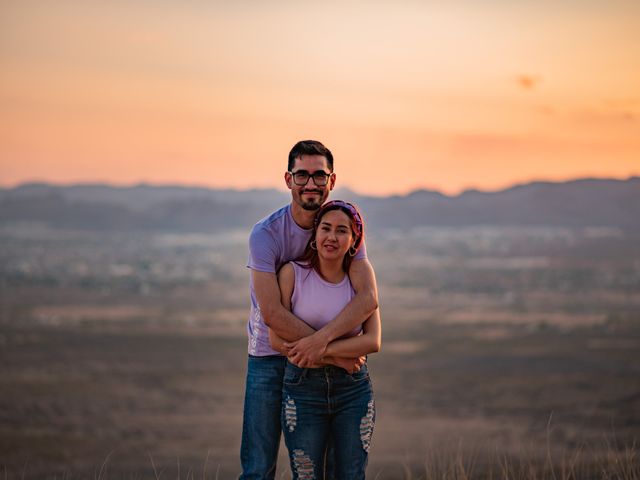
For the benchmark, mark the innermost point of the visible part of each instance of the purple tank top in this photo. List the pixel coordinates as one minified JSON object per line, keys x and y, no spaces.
{"x":317,"y":301}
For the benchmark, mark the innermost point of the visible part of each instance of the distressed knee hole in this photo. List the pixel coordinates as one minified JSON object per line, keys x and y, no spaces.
{"x":303,"y":465}
{"x":290,"y":414}
{"x":366,"y":426}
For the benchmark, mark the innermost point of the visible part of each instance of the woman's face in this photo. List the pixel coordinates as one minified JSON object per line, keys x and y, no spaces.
{"x":334,"y":236}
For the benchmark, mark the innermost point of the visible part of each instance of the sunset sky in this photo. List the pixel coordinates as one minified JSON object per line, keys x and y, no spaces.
{"x":415,"y":94}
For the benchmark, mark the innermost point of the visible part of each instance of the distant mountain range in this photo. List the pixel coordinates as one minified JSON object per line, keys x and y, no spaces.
{"x":577,"y":203}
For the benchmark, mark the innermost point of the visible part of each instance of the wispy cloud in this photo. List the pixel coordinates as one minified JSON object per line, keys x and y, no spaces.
{"x":528,"y":82}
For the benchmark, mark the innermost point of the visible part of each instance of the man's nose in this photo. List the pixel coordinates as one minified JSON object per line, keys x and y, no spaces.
{"x":313,"y":182}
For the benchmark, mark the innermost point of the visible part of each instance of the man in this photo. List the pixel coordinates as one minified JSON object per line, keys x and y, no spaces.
{"x":275,"y":240}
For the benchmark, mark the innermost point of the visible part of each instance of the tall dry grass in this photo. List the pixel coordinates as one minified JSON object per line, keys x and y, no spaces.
{"x":581,"y":463}
{"x":609,"y":462}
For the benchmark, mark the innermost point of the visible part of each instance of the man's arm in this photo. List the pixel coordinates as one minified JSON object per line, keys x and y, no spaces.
{"x":368,"y":342}
{"x":310,"y":349}
{"x":278,"y":318}
{"x":263,"y":255}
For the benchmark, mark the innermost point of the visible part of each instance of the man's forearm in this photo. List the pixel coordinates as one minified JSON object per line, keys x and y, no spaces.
{"x":354,"y":314}
{"x":290,"y":328}
{"x":363,"y":304}
{"x":368,"y":342}
{"x":286,"y":325}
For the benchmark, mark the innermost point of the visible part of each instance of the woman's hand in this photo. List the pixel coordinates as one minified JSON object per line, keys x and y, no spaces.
{"x":351,"y":365}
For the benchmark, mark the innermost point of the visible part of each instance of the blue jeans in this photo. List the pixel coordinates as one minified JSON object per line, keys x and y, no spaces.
{"x":327,"y":405}
{"x":261,"y":422}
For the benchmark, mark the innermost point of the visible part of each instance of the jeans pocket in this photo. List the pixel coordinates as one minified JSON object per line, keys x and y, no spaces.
{"x":360,"y":376}
{"x":293,"y":375}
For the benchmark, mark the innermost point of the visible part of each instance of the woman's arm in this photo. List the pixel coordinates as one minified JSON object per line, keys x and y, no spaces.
{"x":368,"y":342}
{"x":277,"y":343}
{"x":286,"y":282}
{"x":351,"y":365}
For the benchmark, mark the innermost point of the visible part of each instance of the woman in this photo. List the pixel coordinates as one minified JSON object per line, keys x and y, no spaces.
{"x":326,"y":404}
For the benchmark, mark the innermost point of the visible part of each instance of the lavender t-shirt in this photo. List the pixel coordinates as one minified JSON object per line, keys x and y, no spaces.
{"x":274,"y":241}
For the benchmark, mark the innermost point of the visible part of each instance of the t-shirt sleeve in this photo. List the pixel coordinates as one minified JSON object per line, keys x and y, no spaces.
{"x":263,"y":251}
{"x":361,"y":254}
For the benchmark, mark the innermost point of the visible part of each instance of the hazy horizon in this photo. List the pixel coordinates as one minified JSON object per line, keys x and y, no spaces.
{"x":339,"y":186}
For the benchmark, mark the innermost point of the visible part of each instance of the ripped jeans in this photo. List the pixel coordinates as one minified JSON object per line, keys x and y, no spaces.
{"x":322,"y":405}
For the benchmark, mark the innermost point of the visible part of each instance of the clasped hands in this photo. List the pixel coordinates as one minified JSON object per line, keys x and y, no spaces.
{"x":309,"y":352}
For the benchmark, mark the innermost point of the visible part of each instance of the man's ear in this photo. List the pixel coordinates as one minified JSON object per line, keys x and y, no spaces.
{"x":332,"y":181}
{"x":288,"y":180}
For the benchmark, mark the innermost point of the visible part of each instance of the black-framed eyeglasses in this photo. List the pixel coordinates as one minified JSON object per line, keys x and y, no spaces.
{"x":301,"y":177}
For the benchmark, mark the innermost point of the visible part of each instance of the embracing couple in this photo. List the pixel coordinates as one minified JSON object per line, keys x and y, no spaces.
{"x":314,"y":318}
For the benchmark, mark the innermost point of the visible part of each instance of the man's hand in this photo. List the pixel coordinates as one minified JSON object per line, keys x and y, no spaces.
{"x":307,"y":351}
{"x":309,"y":365}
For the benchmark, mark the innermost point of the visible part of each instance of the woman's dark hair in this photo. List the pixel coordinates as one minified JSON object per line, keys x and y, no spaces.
{"x":310,"y":259}
{"x":309,"y":147}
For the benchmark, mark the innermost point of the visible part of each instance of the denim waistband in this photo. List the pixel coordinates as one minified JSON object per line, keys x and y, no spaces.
{"x":331,"y":370}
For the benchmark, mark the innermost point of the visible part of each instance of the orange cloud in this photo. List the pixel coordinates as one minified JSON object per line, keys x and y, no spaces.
{"x":528,"y":82}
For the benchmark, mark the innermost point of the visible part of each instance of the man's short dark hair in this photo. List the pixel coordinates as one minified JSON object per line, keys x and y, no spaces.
{"x":310,"y":147}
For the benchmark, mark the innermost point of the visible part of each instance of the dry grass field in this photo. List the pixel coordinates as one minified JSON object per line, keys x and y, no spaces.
{"x":507,"y":353}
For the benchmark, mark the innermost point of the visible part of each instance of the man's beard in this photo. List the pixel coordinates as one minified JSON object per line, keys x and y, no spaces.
{"x":310,"y":205}
{"x":313,"y":204}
